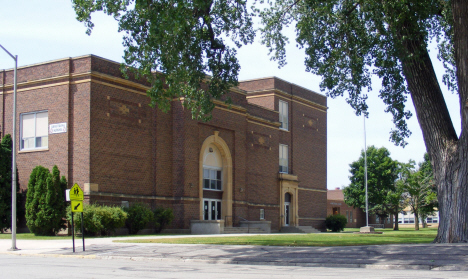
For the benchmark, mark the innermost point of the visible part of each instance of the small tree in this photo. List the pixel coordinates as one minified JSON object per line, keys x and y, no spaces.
{"x":45,"y":201}
{"x":336,"y":223}
{"x":419,"y":190}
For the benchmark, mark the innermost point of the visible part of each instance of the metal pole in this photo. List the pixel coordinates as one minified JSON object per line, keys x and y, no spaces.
{"x":73,"y":232}
{"x":13,"y":160}
{"x":82,"y":230}
{"x":365,"y":172}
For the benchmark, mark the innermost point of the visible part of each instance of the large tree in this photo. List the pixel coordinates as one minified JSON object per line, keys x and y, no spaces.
{"x":348,"y":41}
{"x":5,"y":183}
{"x":184,"y":40}
{"x":382,"y":172}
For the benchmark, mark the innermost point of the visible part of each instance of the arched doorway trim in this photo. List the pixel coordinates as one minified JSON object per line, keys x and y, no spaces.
{"x":289,"y":184}
{"x":226,"y":158}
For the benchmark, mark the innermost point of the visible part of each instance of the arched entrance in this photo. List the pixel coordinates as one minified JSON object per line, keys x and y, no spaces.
{"x":289,"y":200}
{"x":215,"y":187}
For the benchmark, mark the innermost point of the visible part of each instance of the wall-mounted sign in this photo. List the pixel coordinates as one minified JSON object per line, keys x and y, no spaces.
{"x":57,"y":128}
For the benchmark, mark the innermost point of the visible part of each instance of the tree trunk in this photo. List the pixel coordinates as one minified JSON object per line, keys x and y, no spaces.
{"x":416,"y":222}
{"x":449,"y":154}
{"x":395,"y":226}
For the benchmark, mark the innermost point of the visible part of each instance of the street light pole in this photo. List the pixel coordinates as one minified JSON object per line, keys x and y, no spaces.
{"x":13,"y":160}
{"x":365,"y":172}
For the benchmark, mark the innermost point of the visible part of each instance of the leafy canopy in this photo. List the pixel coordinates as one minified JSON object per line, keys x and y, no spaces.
{"x":419,"y":190}
{"x":382,"y":172}
{"x":185,"y":40}
{"x":347,"y":42}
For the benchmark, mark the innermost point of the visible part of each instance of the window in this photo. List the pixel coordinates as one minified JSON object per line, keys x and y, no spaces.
{"x":262,"y":214}
{"x":34,"y":132}
{"x":283,"y":158}
{"x":283,"y":115}
{"x":212,"y":179}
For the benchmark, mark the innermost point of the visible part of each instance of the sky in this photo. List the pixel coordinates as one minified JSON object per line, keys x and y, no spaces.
{"x":39,"y":31}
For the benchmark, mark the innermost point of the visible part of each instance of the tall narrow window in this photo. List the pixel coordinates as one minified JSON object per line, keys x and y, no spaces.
{"x":34,"y":130}
{"x":283,"y":158}
{"x":283,"y":115}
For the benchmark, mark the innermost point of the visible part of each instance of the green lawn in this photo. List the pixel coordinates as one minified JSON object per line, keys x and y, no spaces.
{"x":347,"y":238}
{"x":31,"y":236}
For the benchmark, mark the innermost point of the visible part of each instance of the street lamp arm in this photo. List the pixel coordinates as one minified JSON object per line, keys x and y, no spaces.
{"x":12,"y":56}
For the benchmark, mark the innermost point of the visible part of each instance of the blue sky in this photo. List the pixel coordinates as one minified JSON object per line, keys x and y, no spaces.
{"x":39,"y":31}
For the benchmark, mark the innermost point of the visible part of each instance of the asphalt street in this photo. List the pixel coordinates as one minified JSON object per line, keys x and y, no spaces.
{"x":446,"y":257}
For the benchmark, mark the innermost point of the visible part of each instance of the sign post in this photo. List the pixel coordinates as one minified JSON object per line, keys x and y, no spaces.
{"x":76,"y":198}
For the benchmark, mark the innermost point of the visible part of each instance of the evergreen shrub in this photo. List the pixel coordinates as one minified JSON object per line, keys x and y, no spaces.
{"x":336,"y":223}
{"x":5,"y":185}
{"x":45,"y":201}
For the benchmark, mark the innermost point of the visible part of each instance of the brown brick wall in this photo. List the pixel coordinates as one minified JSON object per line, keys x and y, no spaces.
{"x":117,"y":141}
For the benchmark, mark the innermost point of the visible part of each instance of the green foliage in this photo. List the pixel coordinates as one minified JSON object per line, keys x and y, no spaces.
{"x":382,"y":172}
{"x":336,"y":223}
{"x":45,"y":201}
{"x":185,"y":40}
{"x":139,"y":215}
{"x":5,"y":184}
{"x":162,"y":218}
{"x":98,"y":219}
{"x":419,"y":190}
{"x":349,"y":42}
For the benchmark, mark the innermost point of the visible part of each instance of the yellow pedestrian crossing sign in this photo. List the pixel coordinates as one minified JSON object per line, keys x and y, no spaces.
{"x":77,"y":206}
{"x":76,"y":194}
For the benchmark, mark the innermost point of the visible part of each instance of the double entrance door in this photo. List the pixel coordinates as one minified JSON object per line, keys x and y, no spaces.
{"x":211,"y":209}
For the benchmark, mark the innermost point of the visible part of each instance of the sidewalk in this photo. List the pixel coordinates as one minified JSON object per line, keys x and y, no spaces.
{"x":417,"y":256}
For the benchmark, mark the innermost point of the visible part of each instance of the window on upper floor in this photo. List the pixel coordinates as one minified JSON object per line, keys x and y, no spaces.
{"x":283,"y":158}
{"x":34,"y":130}
{"x":283,"y":115}
{"x":212,"y":179}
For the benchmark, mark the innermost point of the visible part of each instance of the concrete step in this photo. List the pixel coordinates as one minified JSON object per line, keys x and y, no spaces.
{"x":299,"y":229}
{"x":232,"y":230}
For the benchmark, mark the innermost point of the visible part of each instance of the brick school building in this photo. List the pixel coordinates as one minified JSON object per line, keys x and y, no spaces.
{"x":263,"y":159}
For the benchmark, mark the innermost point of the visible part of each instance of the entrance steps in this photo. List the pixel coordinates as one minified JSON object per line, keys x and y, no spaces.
{"x":233,"y":230}
{"x":299,"y":229}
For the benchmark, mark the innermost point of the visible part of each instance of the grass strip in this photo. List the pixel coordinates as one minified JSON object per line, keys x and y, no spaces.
{"x":347,"y":238}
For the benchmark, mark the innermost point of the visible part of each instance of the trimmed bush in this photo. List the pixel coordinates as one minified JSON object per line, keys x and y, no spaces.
{"x":45,"y":201}
{"x":98,"y":219}
{"x":162,"y":218}
{"x":336,"y":223}
{"x":139,"y":215}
